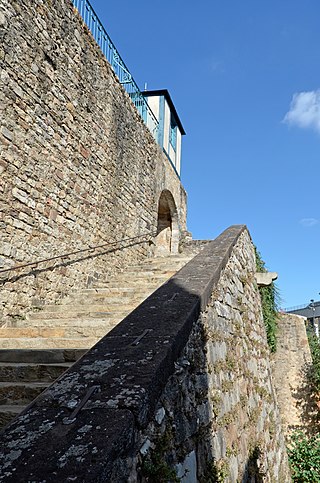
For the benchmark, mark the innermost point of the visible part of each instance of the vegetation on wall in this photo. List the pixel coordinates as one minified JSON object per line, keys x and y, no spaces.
{"x":155,"y":467}
{"x":314,"y":370}
{"x":304,"y":449}
{"x":304,"y":457}
{"x":269,"y":300}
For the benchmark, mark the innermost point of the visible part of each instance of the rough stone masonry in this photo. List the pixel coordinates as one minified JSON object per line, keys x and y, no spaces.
{"x":194,"y":399}
{"x":78,"y":166}
{"x":79,"y":169}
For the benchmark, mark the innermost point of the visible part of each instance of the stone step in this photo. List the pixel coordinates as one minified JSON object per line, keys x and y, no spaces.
{"x":8,"y":412}
{"x":121,"y":290}
{"x":109,"y":289}
{"x":30,"y":332}
{"x":107,"y":294}
{"x":45,"y":356}
{"x":148,"y":272}
{"x":104,"y":299}
{"x":140,"y":284}
{"x":59,"y":332}
{"x":35,"y":351}
{"x":44,"y":343}
{"x":171,"y":259}
{"x":134,"y":280}
{"x":20,"y":393}
{"x":97,"y":331}
{"x":68,"y":313}
{"x":72,"y":322}
{"x":81,"y":309}
{"x":122,"y":282}
{"x":132,"y":275}
{"x":159,"y":267}
{"x":22,"y":371}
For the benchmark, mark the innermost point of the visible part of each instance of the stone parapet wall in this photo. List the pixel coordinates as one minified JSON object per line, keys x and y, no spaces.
{"x":78,"y":166}
{"x":291,"y":363}
{"x":181,"y":387}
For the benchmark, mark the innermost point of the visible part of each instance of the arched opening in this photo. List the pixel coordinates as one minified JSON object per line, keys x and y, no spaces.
{"x":167,"y":240}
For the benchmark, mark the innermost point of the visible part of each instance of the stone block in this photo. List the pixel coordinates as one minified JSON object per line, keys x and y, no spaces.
{"x":7,"y":134}
{"x":265,"y":279}
{"x":3,"y":20}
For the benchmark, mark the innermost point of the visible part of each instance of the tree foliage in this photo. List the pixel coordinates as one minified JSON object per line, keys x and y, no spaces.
{"x":303,"y":449}
{"x":304,"y":457}
{"x":314,"y":371}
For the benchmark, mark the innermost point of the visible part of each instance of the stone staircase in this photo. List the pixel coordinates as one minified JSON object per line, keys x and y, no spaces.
{"x":37,"y":350}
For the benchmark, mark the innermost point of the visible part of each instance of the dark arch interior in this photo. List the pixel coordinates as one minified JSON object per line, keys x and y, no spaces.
{"x":166,"y":225}
{"x":164,"y":215}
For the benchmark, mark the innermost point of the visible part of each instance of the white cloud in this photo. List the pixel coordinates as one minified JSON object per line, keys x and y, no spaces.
{"x":305,"y":110}
{"x":309,"y":222}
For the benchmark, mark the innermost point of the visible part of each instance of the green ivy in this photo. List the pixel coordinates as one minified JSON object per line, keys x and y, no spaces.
{"x":269,"y":300}
{"x":314,"y":371}
{"x":304,"y":457}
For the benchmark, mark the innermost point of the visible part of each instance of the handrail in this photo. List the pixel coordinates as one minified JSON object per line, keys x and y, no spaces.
{"x":110,"y":52}
{"x":66,"y":255}
{"x":297,"y":307}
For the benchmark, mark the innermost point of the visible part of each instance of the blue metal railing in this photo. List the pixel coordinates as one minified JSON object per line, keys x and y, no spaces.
{"x":112,"y":55}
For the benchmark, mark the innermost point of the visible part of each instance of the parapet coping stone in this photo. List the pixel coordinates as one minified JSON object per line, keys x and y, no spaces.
{"x":115,"y":386}
{"x":264,"y":279}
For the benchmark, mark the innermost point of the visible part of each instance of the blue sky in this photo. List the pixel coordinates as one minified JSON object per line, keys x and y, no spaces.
{"x":251,"y":153}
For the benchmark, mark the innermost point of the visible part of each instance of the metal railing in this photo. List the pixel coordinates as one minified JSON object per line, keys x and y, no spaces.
{"x":146,"y":237}
{"x":297,"y":307}
{"x":112,"y":55}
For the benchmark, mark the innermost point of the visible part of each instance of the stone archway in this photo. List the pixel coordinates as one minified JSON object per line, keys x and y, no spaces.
{"x":167,"y":239}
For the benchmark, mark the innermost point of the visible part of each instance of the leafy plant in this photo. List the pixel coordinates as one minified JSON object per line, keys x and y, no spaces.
{"x":304,"y":450}
{"x":158,"y":471}
{"x":314,"y":371}
{"x":155,"y":467}
{"x":216,"y":472}
{"x":269,"y":300}
{"x":304,"y":457}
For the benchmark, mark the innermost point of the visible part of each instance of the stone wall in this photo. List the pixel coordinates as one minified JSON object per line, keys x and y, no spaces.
{"x":291,"y":363}
{"x":183,"y":389}
{"x":78,"y":166}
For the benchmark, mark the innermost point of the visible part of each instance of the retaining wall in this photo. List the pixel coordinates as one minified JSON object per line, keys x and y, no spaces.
{"x":291,"y":364}
{"x":182,"y":387}
{"x":78,"y":166}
